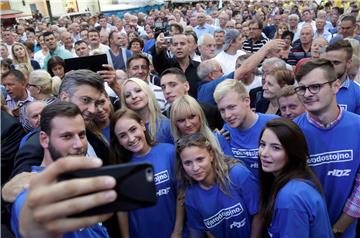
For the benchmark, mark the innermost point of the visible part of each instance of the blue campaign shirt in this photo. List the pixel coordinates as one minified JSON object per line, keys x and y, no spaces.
{"x":299,"y":212}
{"x":348,"y":97}
{"x":224,"y":215}
{"x":94,"y":231}
{"x":206,"y":89}
{"x":163,"y":131}
{"x":159,"y":220}
{"x":335,"y":159}
{"x":224,"y":144}
{"x":245,"y":143}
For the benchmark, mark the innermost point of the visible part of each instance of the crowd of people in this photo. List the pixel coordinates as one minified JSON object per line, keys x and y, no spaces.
{"x":249,"y":112}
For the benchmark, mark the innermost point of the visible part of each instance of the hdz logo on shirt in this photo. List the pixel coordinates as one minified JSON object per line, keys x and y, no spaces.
{"x":330,"y":157}
{"x":225,"y":213}
{"x":161,"y":177}
{"x":339,"y":172}
{"x":238,"y":224}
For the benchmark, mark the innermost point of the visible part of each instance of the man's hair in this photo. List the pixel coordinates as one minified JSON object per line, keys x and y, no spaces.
{"x":341,"y":45}
{"x":325,"y":65}
{"x":93,"y":30}
{"x":349,"y":18}
{"x":18,"y":75}
{"x":138,"y":56}
{"x":180,"y":75}
{"x":80,"y":42}
{"x":74,"y":79}
{"x":203,"y":37}
{"x":57,"y":109}
{"x":179,"y":27}
{"x":257,"y":22}
{"x":229,"y":85}
{"x":193,"y":34}
{"x":286,"y":91}
{"x":275,"y":61}
{"x":219,"y":31}
{"x":48,"y":33}
{"x":206,"y":67}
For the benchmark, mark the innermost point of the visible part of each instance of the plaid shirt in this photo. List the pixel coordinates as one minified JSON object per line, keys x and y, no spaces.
{"x":352,"y":206}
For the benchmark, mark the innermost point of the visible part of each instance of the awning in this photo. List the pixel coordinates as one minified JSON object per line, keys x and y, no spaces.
{"x":7,"y":14}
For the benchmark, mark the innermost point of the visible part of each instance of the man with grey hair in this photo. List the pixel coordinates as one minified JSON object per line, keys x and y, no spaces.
{"x":202,"y":27}
{"x":209,"y":70}
{"x":232,"y":46}
{"x":206,"y":45}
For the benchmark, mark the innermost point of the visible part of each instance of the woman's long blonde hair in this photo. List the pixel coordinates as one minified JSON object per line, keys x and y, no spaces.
{"x":221,"y":164}
{"x":152,"y":106}
{"x":185,"y":106}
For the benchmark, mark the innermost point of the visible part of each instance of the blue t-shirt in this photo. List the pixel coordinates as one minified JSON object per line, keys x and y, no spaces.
{"x":335,"y":159}
{"x":224,"y":215}
{"x":348,"y":96}
{"x":159,"y":220}
{"x":206,"y":89}
{"x":299,"y":212}
{"x":94,"y":231}
{"x":245,"y":143}
{"x":163,"y":131}
{"x":224,"y":144}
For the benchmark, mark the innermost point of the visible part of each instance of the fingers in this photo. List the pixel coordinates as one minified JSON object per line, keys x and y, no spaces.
{"x":62,"y":209}
{"x":63,"y":165}
{"x":70,"y":188}
{"x":70,"y":224}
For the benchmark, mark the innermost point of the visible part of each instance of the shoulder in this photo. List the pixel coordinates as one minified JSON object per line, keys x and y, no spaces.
{"x":267,"y":117}
{"x":297,"y":192}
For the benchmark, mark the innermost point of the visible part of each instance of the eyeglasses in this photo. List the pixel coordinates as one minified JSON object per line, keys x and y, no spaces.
{"x":253,"y":29}
{"x":313,"y":88}
{"x":88,"y":101}
{"x":31,"y":85}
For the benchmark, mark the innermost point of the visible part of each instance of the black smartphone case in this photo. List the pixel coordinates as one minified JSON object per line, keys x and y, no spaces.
{"x":135,"y":186}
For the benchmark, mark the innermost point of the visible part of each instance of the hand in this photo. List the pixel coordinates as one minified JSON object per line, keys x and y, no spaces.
{"x":49,"y":203}
{"x":225,"y":133}
{"x":160,"y":42}
{"x":275,"y":45}
{"x":17,"y":184}
{"x":108,"y":75}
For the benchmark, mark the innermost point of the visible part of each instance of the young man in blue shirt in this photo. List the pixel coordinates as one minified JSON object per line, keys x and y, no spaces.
{"x":243,"y":124}
{"x":340,"y":54}
{"x":332,"y":135}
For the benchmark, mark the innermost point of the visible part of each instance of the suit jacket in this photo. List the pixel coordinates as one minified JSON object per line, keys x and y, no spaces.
{"x":11,"y":134}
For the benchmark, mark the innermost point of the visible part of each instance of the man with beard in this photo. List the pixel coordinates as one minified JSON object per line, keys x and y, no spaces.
{"x":62,"y":134}
{"x":340,"y":54}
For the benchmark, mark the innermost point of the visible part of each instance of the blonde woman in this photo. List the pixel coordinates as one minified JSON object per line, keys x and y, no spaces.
{"x":21,"y":56}
{"x":187,"y":117}
{"x":138,"y":96}
{"x":42,"y":87}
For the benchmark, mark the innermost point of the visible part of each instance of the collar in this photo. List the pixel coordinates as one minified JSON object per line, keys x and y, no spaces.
{"x":20,"y":103}
{"x":346,"y":83}
{"x":322,"y":126}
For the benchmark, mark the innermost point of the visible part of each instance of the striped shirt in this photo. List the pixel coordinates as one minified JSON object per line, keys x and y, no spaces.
{"x":251,"y":47}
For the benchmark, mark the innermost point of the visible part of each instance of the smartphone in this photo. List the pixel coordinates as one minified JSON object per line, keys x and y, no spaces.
{"x":135,"y":186}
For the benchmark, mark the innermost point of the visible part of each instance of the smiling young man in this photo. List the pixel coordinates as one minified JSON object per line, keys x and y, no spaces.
{"x":243,"y":124}
{"x":332,"y":137}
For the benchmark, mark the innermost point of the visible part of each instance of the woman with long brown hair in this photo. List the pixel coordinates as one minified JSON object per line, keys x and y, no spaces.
{"x":291,"y":201}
